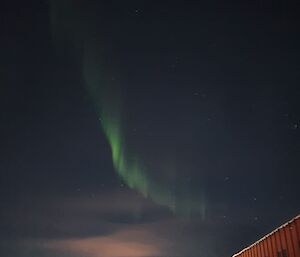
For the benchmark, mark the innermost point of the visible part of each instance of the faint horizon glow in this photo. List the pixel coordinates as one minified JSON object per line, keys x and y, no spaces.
{"x":126,"y":243}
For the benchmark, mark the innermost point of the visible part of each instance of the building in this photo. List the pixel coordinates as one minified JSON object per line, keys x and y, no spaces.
{"x":282,"y":242}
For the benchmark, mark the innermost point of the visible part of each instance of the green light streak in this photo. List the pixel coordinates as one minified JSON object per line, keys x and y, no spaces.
{"x":106,"y":97}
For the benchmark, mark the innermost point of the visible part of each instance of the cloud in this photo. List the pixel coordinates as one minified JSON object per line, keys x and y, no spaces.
{"x":110,"y":224}
{"x":78,"y":216}
{"x":129,"y":242}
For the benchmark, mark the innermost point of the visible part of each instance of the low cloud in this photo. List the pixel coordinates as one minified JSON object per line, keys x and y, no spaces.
{"x":78,"y":217}
{"x":126,"y":243}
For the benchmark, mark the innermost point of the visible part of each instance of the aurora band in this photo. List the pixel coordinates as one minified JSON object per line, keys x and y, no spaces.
{"x":105,"y":95}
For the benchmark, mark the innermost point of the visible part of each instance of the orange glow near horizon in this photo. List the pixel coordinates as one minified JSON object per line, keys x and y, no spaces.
{"x":129,"y":244}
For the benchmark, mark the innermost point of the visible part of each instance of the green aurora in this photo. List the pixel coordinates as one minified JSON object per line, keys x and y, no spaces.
{"x":68,"y":22}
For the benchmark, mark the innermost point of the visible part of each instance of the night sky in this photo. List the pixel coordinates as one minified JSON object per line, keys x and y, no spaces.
{"x":147,"y":128}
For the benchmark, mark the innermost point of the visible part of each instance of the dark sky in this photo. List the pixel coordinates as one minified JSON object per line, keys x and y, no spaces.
{"x":198,"y":99}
